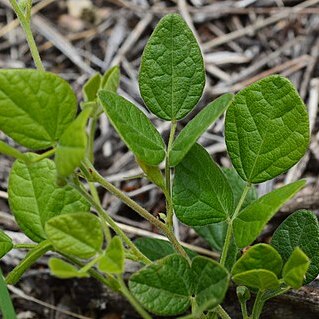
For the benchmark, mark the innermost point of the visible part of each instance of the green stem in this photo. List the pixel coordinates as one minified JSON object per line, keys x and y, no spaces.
{"x":103,"y":215}
{"x":126,"y":293}
{"x":11,"y":151}
{"x":93,"y":123}
{"x":168,"y":192}
{"x":25,"y":24}
{"x":6,"y":307}
{"x":244,"y":312}
{"x":222,"y":313}
{"x":109,"y":282}
{"x":258,"y":305}
{"x":24,"y":246}
{"x":90,"y":264}
{"x":33,"y":255}
{"x":44,"y":155}
{"x":136,"y":207}
{"x":229,"y":232}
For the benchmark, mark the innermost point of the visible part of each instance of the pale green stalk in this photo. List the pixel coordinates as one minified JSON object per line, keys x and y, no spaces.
{"x":258,"y":305}
{"x":25,"y":24}
{"x":222,"y":313}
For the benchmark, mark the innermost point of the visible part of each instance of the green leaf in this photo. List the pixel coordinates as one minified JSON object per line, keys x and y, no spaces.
{"x":5,"y":244}
{"x":172,"y":74}
{"x":300,"y":229}
{"x":237,"y":185}
{"x":71,"y":148}
{"x":91,"y":87}
{"x":153,"y":173}
{"x":154,"y":248}
{"x":113,"y":258}
{"x":136,"y":130}
{"x":34,"y":196}
{"x":211,"y":282}
{"x":62,"y":269}
{"x":197,"y":126}
{"x":201,"y":193}
{"x":258,"y":278}
{"x":214,"y":234}
{"x":78,"y":234}
{"x":35,"y":107}
{"x":164,"y":287}
{"x":111,"y":79}
{"x":261,"y":256}
{"x":266,"y":129}
{"x":252,"y":219}
{"x":296,"y":268}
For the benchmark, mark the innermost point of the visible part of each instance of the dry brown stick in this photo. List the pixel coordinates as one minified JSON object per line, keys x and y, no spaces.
{"x":23,"y":295}
{"x":15,"y":23}
{"x":45,"y":28}
{"x":259,"y":24}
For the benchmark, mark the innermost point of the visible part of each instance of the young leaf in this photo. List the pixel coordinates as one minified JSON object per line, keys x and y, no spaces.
{"x":78,"y":234}
{"x":91,"y":87}
{"x":35,"y":107}
{"x":111,"y":79}
{"x":296,"y":268}
{"x":266,"y":129}
{"x":113,"y":258}
{"x":261,"y":256}
{"x":172,"y":74}
{"x":136,"y":130}
{"x":257,"y":278}
{"x":5,"y":244}
{"x":153,"y":173}
{"x":62,"y":269}
{"x":154,"y":248}
{"x":300,"y":229}
{"x":210,"y":282}
{"x":164,"y":287}
{"x":197,"y":126}
{"x":252,"y":219}
{"x":71,"y":148}
{"x":201,"y":193}
{"x":34,"y":196}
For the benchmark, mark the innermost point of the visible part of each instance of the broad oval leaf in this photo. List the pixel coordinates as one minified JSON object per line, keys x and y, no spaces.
{"x":172,"y":74}
{"x":261,"y":256}
{"x":210,"y":282}
{"x":201,"y":193}
{"x":266,"y":129}
{"x":62,"y":269}
{"x":296,"y":268}
{"x":154,"y":248}
{"x":261,"y":279}
{"x":111,"y":79}
{"x":252,"y":219}
{"x":136,"y":130}
{"x":34,"y":196}
{"x":197,"y":126}
{"x":164,"y":287}
{"x":35,"y":107}
{"x":78,"y":234}
{"x":300,"y":229}
{"x":5,"y":244}
{"x":113,"y":257}
{"x":71,"y":148}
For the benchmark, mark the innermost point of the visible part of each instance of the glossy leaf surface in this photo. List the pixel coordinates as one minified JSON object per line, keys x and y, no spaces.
{"x":91,"y":87}
{"x":134,"y":127}
{"x":201,"y":193}
{"x":252,"y":219}
{"x":35,"y":107}
{"x":300,"y":229}
{"x":172,"y":74}
{"x":34,"y":196}
{"x":266,"y":129}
